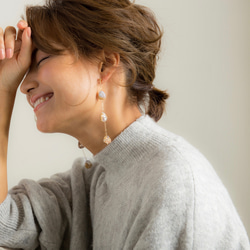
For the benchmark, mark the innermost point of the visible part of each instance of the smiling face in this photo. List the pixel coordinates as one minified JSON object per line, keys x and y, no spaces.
{"x":62,"y":91}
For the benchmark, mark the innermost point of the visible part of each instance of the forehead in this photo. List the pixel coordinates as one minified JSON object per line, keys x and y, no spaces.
{"x":36,"y":51}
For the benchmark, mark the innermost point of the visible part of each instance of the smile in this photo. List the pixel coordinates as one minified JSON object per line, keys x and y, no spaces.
{"x":41,"y":100}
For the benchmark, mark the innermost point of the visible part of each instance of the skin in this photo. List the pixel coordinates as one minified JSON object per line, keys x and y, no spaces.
{"x":72,"y":86}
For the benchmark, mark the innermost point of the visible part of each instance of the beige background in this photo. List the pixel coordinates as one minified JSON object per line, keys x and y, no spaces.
{"x":205,"y":65}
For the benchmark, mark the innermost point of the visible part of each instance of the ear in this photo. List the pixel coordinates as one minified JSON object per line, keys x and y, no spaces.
{"x":109,"y":66}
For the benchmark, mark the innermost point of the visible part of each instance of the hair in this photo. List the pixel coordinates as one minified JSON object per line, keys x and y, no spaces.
{"x":87,"y":27}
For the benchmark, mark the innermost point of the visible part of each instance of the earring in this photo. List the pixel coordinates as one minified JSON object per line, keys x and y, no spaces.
{"x":104,"y":118}
{"x":88,"y":163}
{"x":80,"y":145}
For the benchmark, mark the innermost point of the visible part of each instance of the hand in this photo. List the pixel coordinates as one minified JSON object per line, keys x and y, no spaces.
{"x":15,"y":55}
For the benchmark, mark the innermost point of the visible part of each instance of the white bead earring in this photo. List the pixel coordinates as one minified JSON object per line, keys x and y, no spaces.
{"x":104,"y":117}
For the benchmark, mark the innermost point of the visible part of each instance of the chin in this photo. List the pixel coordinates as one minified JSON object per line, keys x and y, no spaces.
{"x":45,"y":127}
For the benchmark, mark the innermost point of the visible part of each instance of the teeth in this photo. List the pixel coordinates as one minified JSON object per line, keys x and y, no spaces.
{"x":41,"y":100}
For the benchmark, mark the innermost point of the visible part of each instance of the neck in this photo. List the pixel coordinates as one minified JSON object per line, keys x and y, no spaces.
{"x":121,"y":112}
{"x":91,"y":134}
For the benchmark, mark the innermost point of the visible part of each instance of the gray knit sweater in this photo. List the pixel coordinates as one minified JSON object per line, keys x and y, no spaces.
{"x":149,"y":189}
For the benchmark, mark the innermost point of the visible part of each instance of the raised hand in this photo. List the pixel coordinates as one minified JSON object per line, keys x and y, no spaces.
{"x":15,"y":59}
{"x":15,"y":55}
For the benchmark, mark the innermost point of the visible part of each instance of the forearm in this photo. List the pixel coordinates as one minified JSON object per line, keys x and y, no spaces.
{"x":6,"y":107}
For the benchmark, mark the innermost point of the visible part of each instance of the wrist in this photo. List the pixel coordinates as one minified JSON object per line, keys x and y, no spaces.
{"x":9,"y":92}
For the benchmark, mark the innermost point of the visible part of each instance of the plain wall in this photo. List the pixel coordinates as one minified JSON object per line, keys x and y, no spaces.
{"x":205,"y":66}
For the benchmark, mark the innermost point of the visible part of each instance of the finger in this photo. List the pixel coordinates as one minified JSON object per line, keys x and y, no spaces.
{"x":24,"y":57}
{"x":9,"y":41}
{"x":2,"y":49}
{"x":21,"y":26}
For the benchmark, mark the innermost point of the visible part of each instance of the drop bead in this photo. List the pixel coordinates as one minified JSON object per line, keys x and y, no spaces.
{"x":88,"y":164}
{"x":104,"y":117}
{"x":107,"y":139}
{"x":101,"y":95}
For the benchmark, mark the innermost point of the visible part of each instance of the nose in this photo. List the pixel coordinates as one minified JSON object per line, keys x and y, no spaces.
{"x":29,"y":83}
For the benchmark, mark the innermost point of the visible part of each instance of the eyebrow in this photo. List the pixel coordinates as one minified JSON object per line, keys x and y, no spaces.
{"x":33,"y":57}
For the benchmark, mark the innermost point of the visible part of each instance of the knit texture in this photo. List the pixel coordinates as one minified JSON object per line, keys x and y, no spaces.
{"x":148,"y":189}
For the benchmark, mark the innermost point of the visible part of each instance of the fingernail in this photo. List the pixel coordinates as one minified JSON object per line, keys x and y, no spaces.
{"x":22,"y":23}
{"x":2,"y":54}
{"x":9,"y":53}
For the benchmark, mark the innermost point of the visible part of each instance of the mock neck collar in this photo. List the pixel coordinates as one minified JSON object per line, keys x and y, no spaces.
{"x":131,"y":146}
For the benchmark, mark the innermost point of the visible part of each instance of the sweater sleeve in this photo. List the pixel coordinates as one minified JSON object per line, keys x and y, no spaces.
{"x":41,"y":213}
{"x":12,"y":219}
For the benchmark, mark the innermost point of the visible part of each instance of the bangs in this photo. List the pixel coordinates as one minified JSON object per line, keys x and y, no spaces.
{"x":48,"y":34}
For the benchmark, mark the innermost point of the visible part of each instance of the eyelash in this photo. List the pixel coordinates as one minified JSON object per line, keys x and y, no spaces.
{"x":42,"y":60}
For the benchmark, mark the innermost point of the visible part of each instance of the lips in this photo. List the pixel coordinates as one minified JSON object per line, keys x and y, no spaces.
{"x":36,"y":101}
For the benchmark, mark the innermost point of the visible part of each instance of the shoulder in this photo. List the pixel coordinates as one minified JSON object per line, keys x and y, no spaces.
{"x":184,"y":182}
{"x":171,"y":155}
{"x":180,"y":167}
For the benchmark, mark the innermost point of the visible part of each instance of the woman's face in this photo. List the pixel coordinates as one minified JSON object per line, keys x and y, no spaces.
{"x":62,"y":91}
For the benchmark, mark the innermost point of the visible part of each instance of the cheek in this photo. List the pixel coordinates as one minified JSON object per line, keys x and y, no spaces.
{"x":74,"y":93}
{"x":78,"y":89}
{"x":72,"y":87}
{"x":81,"y":84}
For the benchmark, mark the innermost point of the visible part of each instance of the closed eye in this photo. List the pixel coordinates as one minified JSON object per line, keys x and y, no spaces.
{"x":44,"y":58}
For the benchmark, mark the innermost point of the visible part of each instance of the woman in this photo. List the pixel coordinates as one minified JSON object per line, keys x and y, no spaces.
{"x":90,"y":75}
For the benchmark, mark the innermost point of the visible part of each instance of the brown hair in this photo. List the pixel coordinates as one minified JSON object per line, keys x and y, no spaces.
{"x":88,"y":26}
